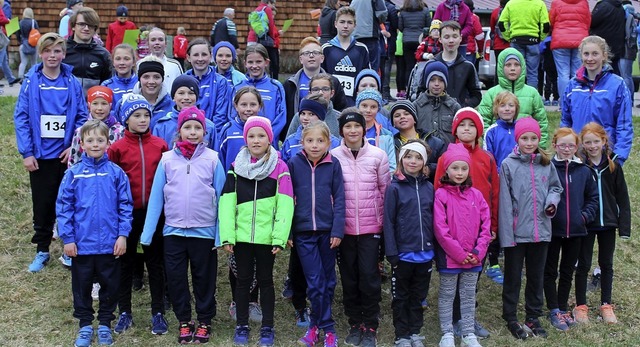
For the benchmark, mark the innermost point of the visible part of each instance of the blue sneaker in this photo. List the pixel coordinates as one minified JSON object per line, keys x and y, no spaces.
{"x":241,"y":336}
{"x":425,"y":304}
{"x":85,"y":335}
{"x":547,"y":103}
{"x":554,"y":103}
{"x":104,"y":336}
{"x":495,"y":274}
{"x":38,"y":263}
{"x":124,"y":322}
{"x":159,"y":325}
{"x":267,"y":335}
{"x":302,"y":318}
{"x":65,"y":260}
{"x":557,"y":320}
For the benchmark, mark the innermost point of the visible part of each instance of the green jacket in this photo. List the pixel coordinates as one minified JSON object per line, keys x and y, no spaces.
{"x":525,"y":18}
{"x":530,"y":101}
{"x":258,"y":212}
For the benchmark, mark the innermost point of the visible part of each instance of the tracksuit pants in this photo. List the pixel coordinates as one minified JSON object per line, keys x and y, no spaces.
{"x":409,"y":286}
{"x":84,"y":269}
{"x":45,"y":183}
{"x":248,"y":256}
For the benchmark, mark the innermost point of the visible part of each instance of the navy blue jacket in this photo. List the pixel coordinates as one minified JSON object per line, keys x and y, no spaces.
{"x":435,"y":144}
{"x":578,"y":204}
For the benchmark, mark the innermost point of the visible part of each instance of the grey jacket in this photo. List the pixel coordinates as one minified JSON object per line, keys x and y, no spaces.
{"x":527,"y":189}
{"x":369,"y":15}
{"x":435,"y":115}
{"x":331,"y":119}
{"x":412,"y":23}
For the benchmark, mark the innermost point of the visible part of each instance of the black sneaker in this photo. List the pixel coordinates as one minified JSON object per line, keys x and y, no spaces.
{"x":354,"y":338}
{"x":533,"y":327}
{"x":368,"y":338}
{"x":17,"y":80}
{"x":516,"y":330}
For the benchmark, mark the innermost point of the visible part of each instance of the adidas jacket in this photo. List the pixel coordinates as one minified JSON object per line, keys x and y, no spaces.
{"x":345,"y":64}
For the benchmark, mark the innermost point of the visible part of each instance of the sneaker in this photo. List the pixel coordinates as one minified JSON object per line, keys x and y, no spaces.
{"x":95,"y":291}
{"x":447,"y":340}
{"x":202,"y":334}
{"x":241,"y":336}
{"x":125,"y":321}
{"x":267,"y":335}
{"x":554,"y":103}
{"x":533,"y":327}
{"x":457,"y":329}
{"x":547,"y":103}
{"x":137,"y":284}
{"x":65,"y":260}
{"x":310,"y":338}
{"x":354,"y":337}
{"x":302,"y":318}
{"x":416,"y":340}
{"x":232,"y":310}
{"x":517,"y":330}
{"x":479,"y":331}
{"x":606,"y":312}
{"x":470,"y":340}
{"x":581,"y":314}
{"x":255,"y":312}
{"x":567,"y":318}
{"x":85,"y":335}
{"x":557,"y":320}
{"x":402,"y":343}
{"x":368,"y":338}
{"x":104,"y":336}
{"x":185,"y":332}
{"x":17,"y":80}
{"x":495,"y":274}
{"x":425,"y":304}
{"x":287,"y":291}
{"x":401,"y":95}
{"x":594,"y":284}
{"x":330,"y":339}
{"x":159,"y":324}
{"x":38,"y":263}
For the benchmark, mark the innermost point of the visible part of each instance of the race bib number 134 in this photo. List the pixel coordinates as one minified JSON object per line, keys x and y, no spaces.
{"x":52,"y":126}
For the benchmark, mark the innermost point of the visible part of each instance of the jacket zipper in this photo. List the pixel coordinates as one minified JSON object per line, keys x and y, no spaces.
{"x":187,"y":214}
{"x":535,"y":200}
{"x":420,"y":216}
{"x":253,"y":220}
{"x":566,"y":179}
{"x":144,"y":175}
{"x":600,"y":201}
{"x":357,"y":192}
{"x":313,"y":196}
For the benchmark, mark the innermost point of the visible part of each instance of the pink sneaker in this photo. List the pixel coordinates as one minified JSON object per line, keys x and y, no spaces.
{"x":310,"y":338}
{"x":330,"y":340}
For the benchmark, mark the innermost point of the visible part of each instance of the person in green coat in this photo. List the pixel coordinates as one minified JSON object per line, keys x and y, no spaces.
{"x":512,"y":71}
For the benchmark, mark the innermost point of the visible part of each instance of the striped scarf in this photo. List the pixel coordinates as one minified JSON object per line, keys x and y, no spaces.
{"x":454,"y":6}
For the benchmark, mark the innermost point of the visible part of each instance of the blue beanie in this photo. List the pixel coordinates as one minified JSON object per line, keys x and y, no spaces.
{"x":122,"y":11}
{"x":185,"y":81}
{"x":435,"y":68}
{"x":369,"y":94}
{"x":313,"y":107}
{"x":224,"y":44}
{"x":131,"y":103}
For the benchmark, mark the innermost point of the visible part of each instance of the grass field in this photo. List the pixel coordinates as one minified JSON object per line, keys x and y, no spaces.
{"x":36,"y":309}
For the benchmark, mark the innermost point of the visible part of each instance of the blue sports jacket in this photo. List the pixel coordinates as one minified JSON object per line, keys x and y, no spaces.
{"x":214,"y":96}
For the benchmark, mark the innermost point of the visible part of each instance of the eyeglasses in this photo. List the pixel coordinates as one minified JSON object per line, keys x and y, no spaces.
{"x":310,"y":53}
{"x":83,"y":25}
{"x":564,"y":146}
{"x":320,"y":89}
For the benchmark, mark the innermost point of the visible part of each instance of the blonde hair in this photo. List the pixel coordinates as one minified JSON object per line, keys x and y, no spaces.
{"x":181,"y":31}
{"x":320,"y":126}
{"x":504,"y":97}
{"x":127,"y":47}
{"x":27,"y":13}
{"x":94,"y":125}
{"x":51,"y":39}
{"x":425,"y":168}
{"x":601,"y":43}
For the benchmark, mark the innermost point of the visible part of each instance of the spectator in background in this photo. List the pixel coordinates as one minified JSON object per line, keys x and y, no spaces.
{"x":180,"y":44}
{"x":72,"y":6}
{"x":630,"y":45}
{"x":391,"y":26}
{"x":548,"y":74}
{"x":570,"y":21}
{"x":413,"y":19}
{"x":327,"y":21}
{"x":273,"y":44}
{"x":4,"y":59}
{"x":607,"y":21}
{"x":458,"y":11}
{"x":225,"y":29}
{"x":27,"y":51}
{"x":498,"y":42}
{"x":370,"y":14}
{"x":157,"y":47}
{"x":475,"y":42}
{"x":116,"y":30}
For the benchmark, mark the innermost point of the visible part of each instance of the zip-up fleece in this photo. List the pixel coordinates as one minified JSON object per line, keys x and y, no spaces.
{"x":138,"y":155}
{"x":527,"y":188}
{"x":461,"y":222}
{"x":614,"y":208}
{"x":258,"y":212}
{"x":94,"y":206}
{"x":120,"y":86}
{"x":366,"y":177}
{"x":167,"y":128}
{"x":578,"y":204}
{"x":408,"y":215}
{"x":319,"y":201}
{"x":500,"y":140}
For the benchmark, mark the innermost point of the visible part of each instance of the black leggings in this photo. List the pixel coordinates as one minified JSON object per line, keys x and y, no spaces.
{"x":606,"y":248}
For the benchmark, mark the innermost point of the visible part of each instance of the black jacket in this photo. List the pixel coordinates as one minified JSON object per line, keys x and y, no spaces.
{"x":436,"y":145}
{"x":578,"y":204}
{"x":327,"y":24}
{"x":462,"y":84}
{"x":91,"y":62}
{"x":221,"y":31}
{"x":608,"y":21}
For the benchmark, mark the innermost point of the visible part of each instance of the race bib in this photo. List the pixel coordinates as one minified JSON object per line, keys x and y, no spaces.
{"x":52,"y":126}
{"x":347,"y":84}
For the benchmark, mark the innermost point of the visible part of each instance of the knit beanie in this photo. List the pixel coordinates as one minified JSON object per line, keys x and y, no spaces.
{"x":99,"y":92}
{"x":435,"y":68}
{"x":258,"y":121}
{"x":468,"y":113}
{"x":512,"y":56}
{"x":525,"y":125}
{"x":416,"y":147}
{"x":352,"y":117}
{"x":405,"y":105}
{"x":185,"y":81}
{"x":435,"y":24}
{"x":191,"y":113}
{"x":313,"y":107}
{"x":122,"y":11}
{"x":369,"y":94}
{"x":455,"y":152}
{"x":221,"y":44}
{"x":70,"y":3}
{"x":150,"y":66}
{"x":130,"y":103}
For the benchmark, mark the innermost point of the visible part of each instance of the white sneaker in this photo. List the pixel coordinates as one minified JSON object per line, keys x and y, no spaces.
{"x":95,"y":291}
{"x":447,"y":340}
{"x":255,"y":312}
{"x":470,"y":340}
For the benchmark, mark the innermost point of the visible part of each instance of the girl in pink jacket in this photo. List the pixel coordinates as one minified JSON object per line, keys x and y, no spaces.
{"x":365,"y":169}
{"x":461,"y":221}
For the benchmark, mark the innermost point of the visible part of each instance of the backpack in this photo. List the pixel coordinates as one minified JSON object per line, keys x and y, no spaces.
{"x":416,"y":84}
{"x":495,"y":31}
{"x":259,"y":22}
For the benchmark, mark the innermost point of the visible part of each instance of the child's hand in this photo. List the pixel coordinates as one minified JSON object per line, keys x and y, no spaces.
{"x":290,"y":243}
{"x":551,"y":210}
{"x":474,"y":259}
{"x":276,"y":250}
{"x":334,"y":242}
{"x":70,"y":249}
{"x":120,"y":247}
{"x":493,"y":235}
{"x":228,"y":248}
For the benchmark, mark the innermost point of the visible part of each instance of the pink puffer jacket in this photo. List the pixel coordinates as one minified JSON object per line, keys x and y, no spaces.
{"x":365,"y":181}
{"x":570,"y":21}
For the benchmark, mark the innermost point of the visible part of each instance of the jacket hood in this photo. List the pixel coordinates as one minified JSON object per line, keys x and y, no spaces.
{"x":400,"y":177}
{"x":504,"y":82}
{"x":572,"y":2}
{"x":535,"y":157}
{"x":327,"y":10}
{"x":365,"y":73}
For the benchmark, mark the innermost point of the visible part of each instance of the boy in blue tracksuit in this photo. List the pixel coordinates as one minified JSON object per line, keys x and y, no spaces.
{"x":94,"y":209}
{"x":50,"y":107}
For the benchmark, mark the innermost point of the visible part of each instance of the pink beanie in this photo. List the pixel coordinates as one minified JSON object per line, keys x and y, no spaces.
{"x":455,"y":152}
{"x":191,"y":113}
{"x":525,"y":125}
{"x":257,"y":121}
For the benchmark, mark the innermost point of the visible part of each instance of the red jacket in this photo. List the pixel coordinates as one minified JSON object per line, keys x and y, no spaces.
{"x":180,"y":44}
{"x":273,"y":30}
{"x":498,"y":43}
{"x":428,"y":45}
{"x":138,"y":156}
{"x":570,"y":21}
{"x":115,"y":33}
{"x":473,"y":44}
{"x":484,"y":177}
{"x":3,"y":22}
